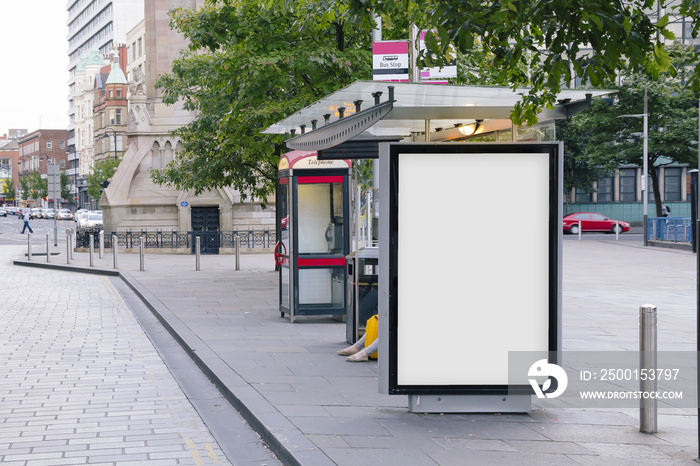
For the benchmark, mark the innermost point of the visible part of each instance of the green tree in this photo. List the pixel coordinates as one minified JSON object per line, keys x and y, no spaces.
{"x":66,"y":192}
{"x":103,"y":171}
{"x":248,"y":67}
{"x":33,"y":186}
{"x":542,"y":45}
{"x":578,"y":173}
{"x":251,"y":64}
{"x":8,"y":191}
{"x":672,"y":128}
{"x":24,"y":188}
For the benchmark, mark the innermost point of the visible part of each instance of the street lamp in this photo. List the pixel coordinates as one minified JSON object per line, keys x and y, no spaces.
{"x":645,"y":169}
{"x":105,"y":136}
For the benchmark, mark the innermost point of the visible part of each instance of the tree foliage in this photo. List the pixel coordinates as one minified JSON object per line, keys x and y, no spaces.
{"x":613,"y":139}
{"x":251,"y":64}
{"x":66,"y":192}
{"x":544,"y":45}
{"x":103,"y":171}
{"x":33,"y":186}
{"x":248,"y":67}
{"x":8,"y":191}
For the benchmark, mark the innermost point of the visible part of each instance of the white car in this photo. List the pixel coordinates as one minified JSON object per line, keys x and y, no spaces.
{"x":94,"y":219}
{"x":64,"y":214}
{"x":81,"y":219}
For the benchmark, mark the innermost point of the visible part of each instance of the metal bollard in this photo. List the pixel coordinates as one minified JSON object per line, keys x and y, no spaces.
{"x":141,"y":255}
{"x":115,"y":250}
{"x":102,"y":243}
{"x":92,"y":250}
{"x":617,"y":230}
{"x":196,"y":252}
{"x":48,"y":251}
{"x":29,"y":246}
{"x":68,"y":233}
{"x":579,"y":230}
{"x":647,"y":363}
{"x":237,"y":241}
{"x":72,"y":242}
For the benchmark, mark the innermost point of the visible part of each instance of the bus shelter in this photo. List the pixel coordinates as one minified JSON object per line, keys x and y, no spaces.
{"x":314,"y":215}
{"x":487,"y":295}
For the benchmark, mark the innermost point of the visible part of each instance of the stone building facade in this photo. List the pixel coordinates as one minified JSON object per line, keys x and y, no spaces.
{"x":132,"y":201}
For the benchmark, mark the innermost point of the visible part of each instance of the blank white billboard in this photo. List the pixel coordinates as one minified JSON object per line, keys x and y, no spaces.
{"x":473,"y":264}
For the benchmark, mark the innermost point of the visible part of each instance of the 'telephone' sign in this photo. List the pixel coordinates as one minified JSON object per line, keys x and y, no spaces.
{"x":390,"y":61}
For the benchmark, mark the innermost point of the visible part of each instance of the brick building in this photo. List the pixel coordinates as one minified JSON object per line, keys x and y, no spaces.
{"x":38,"y":148}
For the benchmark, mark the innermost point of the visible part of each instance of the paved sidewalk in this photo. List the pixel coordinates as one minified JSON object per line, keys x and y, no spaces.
{"x":82,"y":384}
{"x":313,"y":408}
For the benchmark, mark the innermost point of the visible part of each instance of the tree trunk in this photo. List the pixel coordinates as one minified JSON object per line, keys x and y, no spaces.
{"x":655,"y":186}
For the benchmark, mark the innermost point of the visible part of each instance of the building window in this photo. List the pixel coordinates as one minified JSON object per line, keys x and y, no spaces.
{"x":62,"y":144}
{"x":140,"y":49}
{"x":49,"y":145}
{"x":111,"y":117}
{"x":605,"y":189}
{"x":119,"y":92}
{"x":119,"y":116}
{"x":63,"y":164}
{"x":582,"y":196}
{"x":672,"y":184}
{"x":628,"y":184}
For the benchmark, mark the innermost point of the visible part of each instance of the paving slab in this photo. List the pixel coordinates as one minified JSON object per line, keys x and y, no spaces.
{"x":313,"y":408}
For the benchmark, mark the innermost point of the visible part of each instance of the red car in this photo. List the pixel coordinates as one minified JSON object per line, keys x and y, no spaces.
{"x":592,"y":221}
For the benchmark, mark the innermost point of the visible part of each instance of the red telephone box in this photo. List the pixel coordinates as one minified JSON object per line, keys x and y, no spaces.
{"x":314,"y":210}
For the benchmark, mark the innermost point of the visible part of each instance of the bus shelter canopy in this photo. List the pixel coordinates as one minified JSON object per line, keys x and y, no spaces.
{"x":443,"y":105}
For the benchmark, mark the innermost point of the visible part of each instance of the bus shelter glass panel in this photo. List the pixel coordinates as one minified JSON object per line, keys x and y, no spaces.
{"x":320,"y":218}
{"x":283,"y":209}
{"x":320,"y":243}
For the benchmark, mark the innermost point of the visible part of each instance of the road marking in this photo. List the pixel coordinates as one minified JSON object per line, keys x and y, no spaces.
{"x":193,"y":451}
{"x":212,"y":455}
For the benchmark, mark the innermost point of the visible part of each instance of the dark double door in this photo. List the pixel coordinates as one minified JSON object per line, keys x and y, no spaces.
{"x":205,"y":224}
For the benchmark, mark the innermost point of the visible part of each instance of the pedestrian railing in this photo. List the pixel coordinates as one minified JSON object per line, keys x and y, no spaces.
{"x":671,"y":229}
{"x":211,"y":241}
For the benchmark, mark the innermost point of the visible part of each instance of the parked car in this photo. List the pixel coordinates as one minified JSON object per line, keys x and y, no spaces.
{"x":35,"y":212}
{"x":592,"y":221}
{"x":78,"y":213}
{"x":81,"y":218}
{"x":3,"y":213}
{"x":48,"y":213}
{"x":64,"y":214}
{"x":94,"y":219}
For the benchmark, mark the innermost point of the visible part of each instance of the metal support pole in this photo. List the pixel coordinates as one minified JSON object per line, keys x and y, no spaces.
{"x":579,"y":230}
{"x":92,"y":250}
{"x":102,"y":244}
{"x":237,"y":240}
{"x":141,"y":255}
{"x":29,"y":246}
{"x":67,"y":245}
{"x":645,"y":169}
{"x":369,"y":210}
{"x":55,"y":226}
{"x":196,"y":252}
{"x":48,"y":251}
{"x":115,"y":250}
{"x":72,"y":243}
{"x":647,"y":364}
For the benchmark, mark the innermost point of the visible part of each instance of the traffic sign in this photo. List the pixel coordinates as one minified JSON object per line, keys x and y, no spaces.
{"x":390,"y":61}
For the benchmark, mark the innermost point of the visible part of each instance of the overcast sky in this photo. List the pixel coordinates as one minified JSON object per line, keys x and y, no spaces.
{"x":34,"y":64}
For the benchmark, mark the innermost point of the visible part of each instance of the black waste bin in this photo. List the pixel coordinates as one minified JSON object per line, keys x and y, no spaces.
{"x":367,"y":285}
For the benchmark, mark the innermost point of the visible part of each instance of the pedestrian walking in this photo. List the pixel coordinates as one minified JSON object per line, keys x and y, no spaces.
{"x":665,"y":210}
{"x":26,"y":222}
